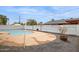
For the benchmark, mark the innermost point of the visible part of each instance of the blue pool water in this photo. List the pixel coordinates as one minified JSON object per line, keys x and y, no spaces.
{"x":16,"y":32}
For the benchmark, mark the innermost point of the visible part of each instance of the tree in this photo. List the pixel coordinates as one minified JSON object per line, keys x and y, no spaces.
{"x":15,"y":23}
{"x":31,"y":22}
{"x":52,"y":19}
{"x":40,"y":23}
{"x":3,"y":20}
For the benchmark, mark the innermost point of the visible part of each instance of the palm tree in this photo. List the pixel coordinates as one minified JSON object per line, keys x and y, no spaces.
{"x":3,"y":19}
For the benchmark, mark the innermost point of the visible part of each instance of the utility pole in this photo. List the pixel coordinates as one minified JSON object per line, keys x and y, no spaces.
{"x":7,"y":21}
{"x":41,"y":25}
{"x":19,"y":19}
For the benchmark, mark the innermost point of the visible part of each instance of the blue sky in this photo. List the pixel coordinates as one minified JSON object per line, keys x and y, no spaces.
{"x":39,"y":13}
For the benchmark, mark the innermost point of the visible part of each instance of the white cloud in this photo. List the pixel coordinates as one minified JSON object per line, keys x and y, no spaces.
{"x":35,"y":12}
{"x":31,"y":11}
{"x":61,"y":12}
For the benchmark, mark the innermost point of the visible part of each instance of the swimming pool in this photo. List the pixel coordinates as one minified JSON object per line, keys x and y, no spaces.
{"x":16,"y":32}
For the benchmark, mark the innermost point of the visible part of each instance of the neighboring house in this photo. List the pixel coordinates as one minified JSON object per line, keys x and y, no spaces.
{"x":65,"y":22}
{"x":72,"y":21}
{"x":56,"y":22}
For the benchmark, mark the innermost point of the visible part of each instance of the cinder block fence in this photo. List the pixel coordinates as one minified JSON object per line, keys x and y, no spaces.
{"x":70,"y":29}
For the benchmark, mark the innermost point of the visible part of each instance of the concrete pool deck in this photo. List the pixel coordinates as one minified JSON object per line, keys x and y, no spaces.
{"x":52,"y":44}
{"x":36,"y":38}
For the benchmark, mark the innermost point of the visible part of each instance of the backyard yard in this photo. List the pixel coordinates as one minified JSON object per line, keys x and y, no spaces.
{"x":42,"y":42}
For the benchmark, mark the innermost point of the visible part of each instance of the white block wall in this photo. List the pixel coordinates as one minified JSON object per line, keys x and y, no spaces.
{"x":71,"y":29}
{"x":10,"y":27}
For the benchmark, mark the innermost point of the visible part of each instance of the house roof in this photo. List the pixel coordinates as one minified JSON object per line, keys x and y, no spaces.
{"x":72,"y":19}
{"x":55,"y":22}
{"x":65,"y":21}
